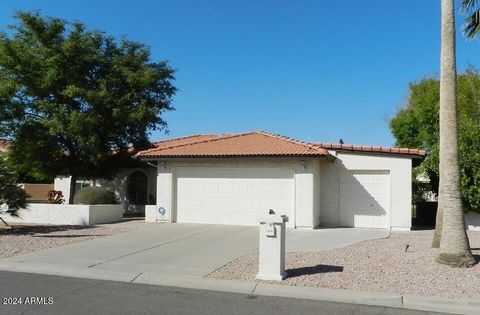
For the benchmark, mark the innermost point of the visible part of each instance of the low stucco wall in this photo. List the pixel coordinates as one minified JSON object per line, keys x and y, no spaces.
{"x":67,"y":214}
{"x":151,"y":214}
{"x":472,"y":221}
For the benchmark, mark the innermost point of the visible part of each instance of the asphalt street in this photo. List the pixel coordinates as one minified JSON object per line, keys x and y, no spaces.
{"x":43,"y":294}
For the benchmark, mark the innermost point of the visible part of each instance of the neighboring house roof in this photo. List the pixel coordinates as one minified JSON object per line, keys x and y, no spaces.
{"x":257,"y":143}
{"x":370,"y":149}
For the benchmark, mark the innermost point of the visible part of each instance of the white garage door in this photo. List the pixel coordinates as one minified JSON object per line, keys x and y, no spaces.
{"x":237,"y":196}
{"x":364,"y":199}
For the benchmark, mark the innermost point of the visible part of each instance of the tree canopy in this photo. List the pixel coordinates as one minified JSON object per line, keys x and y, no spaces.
{"x":74,"y":101}
{"x":417,"y":125}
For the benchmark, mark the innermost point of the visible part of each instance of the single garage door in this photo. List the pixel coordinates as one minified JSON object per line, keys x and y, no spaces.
{"x":364,"y":199}
{"x":237,"y":196}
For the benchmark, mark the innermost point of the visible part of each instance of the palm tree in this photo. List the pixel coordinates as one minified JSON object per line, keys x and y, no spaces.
{"x":454,"y":244}
{"x":471,"y":26}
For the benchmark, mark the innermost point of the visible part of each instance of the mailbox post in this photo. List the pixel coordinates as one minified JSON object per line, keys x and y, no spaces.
{"x":271,"y":261}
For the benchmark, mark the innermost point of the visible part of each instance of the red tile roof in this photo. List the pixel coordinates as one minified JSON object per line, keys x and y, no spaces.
{"x":368,"y":148}
{"x":184,"y":140}
{"x":256,"y":143}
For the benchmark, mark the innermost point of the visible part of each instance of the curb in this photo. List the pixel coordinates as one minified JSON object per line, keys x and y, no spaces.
{"x":414,"y":302}
{"x":330,"y":295}
{"x":436,"y":304}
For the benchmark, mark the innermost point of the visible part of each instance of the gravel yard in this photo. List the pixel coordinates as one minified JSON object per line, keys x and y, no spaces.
{"x":21,"y":239}
{"x":378,"y":265}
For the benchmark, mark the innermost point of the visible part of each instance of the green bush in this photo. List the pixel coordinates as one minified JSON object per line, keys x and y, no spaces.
{"x":94,"y":195}
{"x":12,"y":197}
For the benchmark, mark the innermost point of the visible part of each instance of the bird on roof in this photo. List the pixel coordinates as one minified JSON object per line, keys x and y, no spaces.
{"x":340,"y":141}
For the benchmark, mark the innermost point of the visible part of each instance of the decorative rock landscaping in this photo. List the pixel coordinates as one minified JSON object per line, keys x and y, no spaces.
{"x":403,"y":263}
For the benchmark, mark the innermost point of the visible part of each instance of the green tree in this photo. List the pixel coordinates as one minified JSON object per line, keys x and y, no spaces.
{"x":417,"y":125}
{"x":11,"y":195}
{"x":471,"y":25}
{"x":73,"y":101}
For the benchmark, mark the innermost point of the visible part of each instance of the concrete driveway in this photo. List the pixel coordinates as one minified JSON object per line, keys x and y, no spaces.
{"x":173,"y":249}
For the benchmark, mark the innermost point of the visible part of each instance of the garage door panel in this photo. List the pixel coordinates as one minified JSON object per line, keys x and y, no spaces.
{"x":233,"y":196}
{"x":210,"y":188}
{"x":364,"y":199}
{"x":210,"y":203}
{"x":269,"y":189}
{"x":239,"y":189}
{"x":269,"y":204}
{"x":225,"y":188}
{"x":254,"y":189}
{"x":283,"y":205}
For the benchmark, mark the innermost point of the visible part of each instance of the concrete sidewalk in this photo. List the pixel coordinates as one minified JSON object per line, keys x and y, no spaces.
{"x":433,"y":304}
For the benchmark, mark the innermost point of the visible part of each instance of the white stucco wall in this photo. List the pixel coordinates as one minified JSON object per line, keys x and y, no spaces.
{"x":67,"y":214}
{"x":62,"y":183}
{"x":165,"y":191}
{"x":315,"y":181}
{"x":400,"y":169}
{"x":307,"y":197}
{"x":151,"y":214}
{"x":306,"y":179}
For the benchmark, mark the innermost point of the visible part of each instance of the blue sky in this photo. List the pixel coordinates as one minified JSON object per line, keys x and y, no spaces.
{"x":312,"y":70}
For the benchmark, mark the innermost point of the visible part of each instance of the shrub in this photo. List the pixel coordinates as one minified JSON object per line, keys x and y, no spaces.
{"x":94,"y":195}
{"x":12,"y":197}
{"x":55,"y":197}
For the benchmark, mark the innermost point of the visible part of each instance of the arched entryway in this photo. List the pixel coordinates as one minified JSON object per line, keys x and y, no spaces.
{"x":137,"y":188}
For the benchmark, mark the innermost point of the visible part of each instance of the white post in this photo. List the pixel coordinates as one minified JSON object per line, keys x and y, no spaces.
{"x":62,"y":183}
{"x":271,"y":260}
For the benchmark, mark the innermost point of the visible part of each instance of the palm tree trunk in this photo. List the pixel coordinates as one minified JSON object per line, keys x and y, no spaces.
{"x":454,"y":245}
{"x":438,"y":227}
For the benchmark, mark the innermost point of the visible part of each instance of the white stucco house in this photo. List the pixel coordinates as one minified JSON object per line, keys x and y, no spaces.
{"x":235,"y":179}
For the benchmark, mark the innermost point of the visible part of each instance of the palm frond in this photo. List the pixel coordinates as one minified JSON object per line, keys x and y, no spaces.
{"x":467,"y":5}
{"x":471,"y":26}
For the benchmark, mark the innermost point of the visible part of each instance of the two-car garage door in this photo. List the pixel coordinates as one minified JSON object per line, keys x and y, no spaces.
{"x":238,"y":196}
{"x":364,"y":199}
